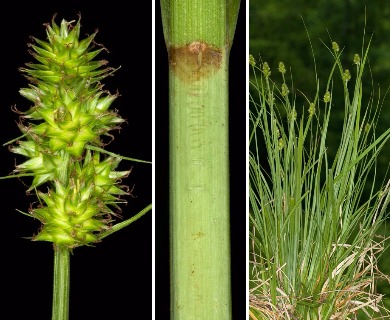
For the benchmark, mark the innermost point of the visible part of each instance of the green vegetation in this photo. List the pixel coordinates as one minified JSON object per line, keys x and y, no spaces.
{"x":345,"y":21}
{"x":316,"y":213}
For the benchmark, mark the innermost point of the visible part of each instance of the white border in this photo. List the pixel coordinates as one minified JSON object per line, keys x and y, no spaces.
{"x":247,"y":157}
{"x":153,"y":159}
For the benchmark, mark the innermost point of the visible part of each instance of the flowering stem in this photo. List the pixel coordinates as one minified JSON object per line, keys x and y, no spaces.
{"x":63,"y":135}
{"x":61,"y":283}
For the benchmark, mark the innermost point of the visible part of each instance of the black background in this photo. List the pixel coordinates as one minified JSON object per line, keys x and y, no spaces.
{"x":112,"y":280}
{"x":237,"y":118}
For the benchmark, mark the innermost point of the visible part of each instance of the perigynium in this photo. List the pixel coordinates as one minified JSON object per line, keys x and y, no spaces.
{"x":314,"y":217}
{"x":64,"y":132}
{"x":70,"y":112}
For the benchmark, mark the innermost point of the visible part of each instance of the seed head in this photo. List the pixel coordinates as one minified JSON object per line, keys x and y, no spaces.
{"x":312,"y":109}
{"x":282,"y":68}
{"x":285,"y":90}
{"x":266,"y":70}
{"x":327,"y":97}
{"x":292,"y":115}
{"x":252,"y":61}
{"x":356,"y":59}
{"x":70,"y":112}
{"x":335,"y":47}
{"x":346,"y":75}
{"x":280,"y":144}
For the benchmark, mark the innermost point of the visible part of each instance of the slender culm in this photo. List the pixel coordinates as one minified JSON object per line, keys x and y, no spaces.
{"x":199,"y":35}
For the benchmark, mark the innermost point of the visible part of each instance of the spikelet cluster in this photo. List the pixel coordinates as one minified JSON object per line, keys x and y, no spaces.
{"x":78,"y":188}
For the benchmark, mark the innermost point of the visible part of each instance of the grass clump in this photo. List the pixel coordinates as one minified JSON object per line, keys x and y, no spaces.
{"x":315,"y":214}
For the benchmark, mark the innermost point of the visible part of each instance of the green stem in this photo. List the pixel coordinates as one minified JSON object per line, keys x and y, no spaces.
{"x":198,"y":35}
{"x":61,"y":283}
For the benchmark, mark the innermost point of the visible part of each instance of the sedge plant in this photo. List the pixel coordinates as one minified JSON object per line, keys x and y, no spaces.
{"x":314,"y":216}
{"x":198,"y":36}
{"x":64,"y":132}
